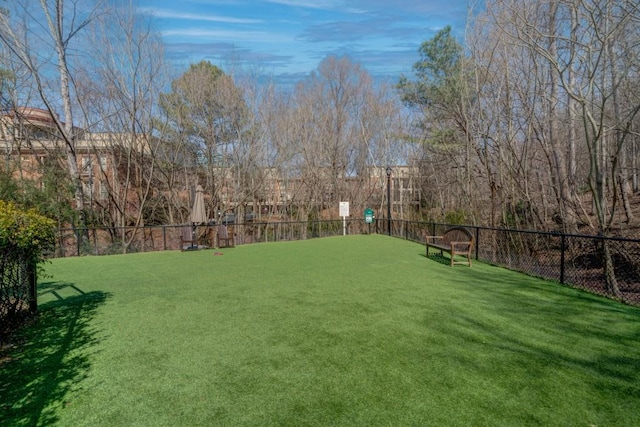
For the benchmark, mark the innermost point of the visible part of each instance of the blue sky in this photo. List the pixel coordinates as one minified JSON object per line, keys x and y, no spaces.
{"x":286,"y":39}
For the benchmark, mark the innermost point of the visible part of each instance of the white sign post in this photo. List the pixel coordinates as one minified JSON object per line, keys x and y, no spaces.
{"x":344,"y":213}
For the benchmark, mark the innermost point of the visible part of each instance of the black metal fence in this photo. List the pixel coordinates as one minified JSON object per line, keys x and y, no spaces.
{"x":120,"y":240}
{"x":18,"y":296}
{"x":604,"y":266}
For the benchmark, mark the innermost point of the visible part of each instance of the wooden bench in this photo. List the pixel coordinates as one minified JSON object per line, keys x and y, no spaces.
{"x":455,"y":241}
{"x":225,"y":237}
{"x":188,"y":242}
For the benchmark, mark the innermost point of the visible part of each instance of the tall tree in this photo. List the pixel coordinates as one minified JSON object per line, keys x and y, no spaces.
{"x":339,"y":118}
{"x":41,"y":38}
{"x":120,"y":94}
{"x":205,"y":114}
{"x":579,"y":53}
{"x":439,"y":92}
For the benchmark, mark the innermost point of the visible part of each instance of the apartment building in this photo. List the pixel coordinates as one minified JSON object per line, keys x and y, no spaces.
{"x":29,"y":138}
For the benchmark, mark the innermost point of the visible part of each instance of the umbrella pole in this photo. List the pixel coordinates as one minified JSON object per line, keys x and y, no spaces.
{"x":193,"y":236}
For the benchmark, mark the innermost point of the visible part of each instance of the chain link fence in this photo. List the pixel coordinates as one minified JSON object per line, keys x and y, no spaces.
{"x":17,"y":288}
{"x":604,"y":266}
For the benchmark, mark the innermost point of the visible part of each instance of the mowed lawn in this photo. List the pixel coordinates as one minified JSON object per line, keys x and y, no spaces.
{"x":346,"y":331}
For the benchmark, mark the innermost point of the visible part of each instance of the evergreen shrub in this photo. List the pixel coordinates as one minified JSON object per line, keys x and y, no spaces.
{"x":25,"y":239}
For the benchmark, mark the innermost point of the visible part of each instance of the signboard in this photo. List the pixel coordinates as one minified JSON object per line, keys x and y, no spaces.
{"x":368,"y":216}
{"x":344,"y":213}
{"x":344,"y":209}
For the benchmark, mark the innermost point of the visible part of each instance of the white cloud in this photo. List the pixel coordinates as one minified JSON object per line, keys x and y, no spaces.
{"x":311,"y":4}
{"x":169,"y":14}
{"x":318,"y":4}
{"x":252,"y":36}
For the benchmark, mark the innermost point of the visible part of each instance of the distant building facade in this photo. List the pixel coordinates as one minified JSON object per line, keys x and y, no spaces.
{"x":29,"y":138}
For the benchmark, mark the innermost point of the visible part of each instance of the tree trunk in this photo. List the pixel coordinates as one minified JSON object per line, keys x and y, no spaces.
{"x":609,"y":271}
{"x":57,"y":32}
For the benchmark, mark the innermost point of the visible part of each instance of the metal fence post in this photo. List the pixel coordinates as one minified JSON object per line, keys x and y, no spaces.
{"x":562,"y":251}
{"x":32,"y":278}
{"x":164,"y":237}
{"x":477,"y":242}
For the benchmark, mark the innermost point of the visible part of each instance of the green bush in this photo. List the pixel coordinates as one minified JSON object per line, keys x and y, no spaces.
{"x":25,"y":236}
{"x":27,"y":231}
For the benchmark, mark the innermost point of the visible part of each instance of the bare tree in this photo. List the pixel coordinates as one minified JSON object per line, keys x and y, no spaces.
{"x":31,"y":33}
{"x":339,"y":123}
{"x":578,"y":52}
{"x":119,"y":96}
{"x":598,"y":76}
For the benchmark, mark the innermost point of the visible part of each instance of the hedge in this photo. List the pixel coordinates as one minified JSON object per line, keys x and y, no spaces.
{"x":25,"y":238}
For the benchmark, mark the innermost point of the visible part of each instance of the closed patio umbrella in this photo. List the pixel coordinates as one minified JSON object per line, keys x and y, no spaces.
{"x":198,"y":212}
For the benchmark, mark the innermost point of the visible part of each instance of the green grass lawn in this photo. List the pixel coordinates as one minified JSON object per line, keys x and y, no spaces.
{"x":357,"y":330}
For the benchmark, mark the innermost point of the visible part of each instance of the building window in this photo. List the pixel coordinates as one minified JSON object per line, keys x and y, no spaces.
{"x":85,"y":166}
{"x":86,"y":188}
{"x":104,"y":191}
{"x":86,"y":162}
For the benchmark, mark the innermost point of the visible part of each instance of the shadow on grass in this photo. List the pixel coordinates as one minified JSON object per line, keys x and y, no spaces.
{"x":439,"y":258}
{"x":49,"y":357}
{"x":586,"y":337}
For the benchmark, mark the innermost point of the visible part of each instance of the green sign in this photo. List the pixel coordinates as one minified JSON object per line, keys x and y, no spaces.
{"x":368,"y":215}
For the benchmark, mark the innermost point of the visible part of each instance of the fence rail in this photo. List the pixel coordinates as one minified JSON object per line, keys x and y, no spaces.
{"x":602,"y":265}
